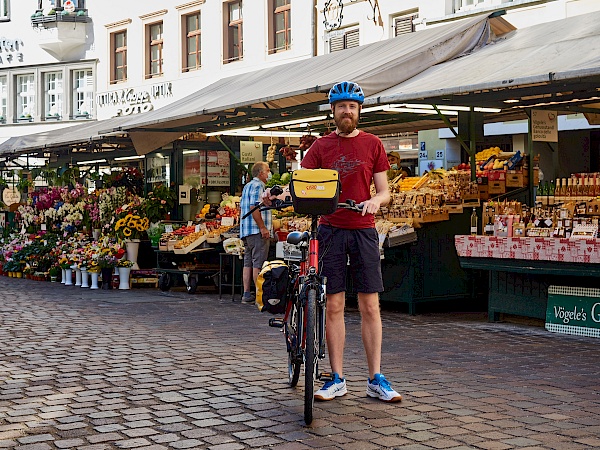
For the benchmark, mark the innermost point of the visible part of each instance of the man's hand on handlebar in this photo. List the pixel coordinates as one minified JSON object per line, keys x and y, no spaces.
{"x":274,"y":192}
{"x":370,"y":206}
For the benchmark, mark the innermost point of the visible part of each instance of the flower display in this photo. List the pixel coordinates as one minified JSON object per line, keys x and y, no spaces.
{"x":124,"y":263}
{"x":131,"y":226}
{"x":130,"y":221}
{"x":159,"y":202}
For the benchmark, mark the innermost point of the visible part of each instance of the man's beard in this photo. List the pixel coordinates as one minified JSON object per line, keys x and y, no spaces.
{"x":346,"y":126}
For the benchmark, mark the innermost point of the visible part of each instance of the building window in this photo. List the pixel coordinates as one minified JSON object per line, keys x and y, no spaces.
{"x":83,"y":93}
{"x":53,"y":95}
{"x":193,"y":44}
{"x":343,"y":39}
{"x":3,"y":98}
{"x":234,"y":34}
{"x":4,"y":10}
{"x":281,"y":26}
{"x":25,"y":96}
{"x":118,"y":50}
{"x":154,"y":36}
{"x":404,"y":24}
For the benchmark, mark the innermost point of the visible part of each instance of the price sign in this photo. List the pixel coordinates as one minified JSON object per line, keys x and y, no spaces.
{"x":168,"y":228}
{"x":227,"y":221}
{"x":189,"y":223}
{"x":43,"y":227}
{"x":197,"y":228}
{"x":422,"y":154}
{"x":439,"y":154}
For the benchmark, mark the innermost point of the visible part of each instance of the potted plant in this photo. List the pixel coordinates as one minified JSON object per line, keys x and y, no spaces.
{"x":159,"y":202}
{"x":124,"y":267}
{"x":54,"y":271}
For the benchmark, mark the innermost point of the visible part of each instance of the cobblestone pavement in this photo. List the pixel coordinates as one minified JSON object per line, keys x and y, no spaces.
{"x":142,"y":369}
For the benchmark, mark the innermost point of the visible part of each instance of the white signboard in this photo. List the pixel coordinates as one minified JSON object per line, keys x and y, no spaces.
{"x":69,"y":6}
{"x":11,"y":196}
{"x":251,"y":151}
{"x":544,"y":125}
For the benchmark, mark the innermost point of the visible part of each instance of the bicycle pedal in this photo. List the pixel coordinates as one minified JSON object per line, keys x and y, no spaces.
{"x":276,"y":322}
{"x":325,"y":376}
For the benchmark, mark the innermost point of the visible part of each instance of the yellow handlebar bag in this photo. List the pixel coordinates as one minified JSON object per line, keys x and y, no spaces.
{"x":315,"y":191}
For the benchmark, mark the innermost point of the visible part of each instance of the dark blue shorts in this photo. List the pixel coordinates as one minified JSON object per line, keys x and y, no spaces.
{"x":360,"y":247}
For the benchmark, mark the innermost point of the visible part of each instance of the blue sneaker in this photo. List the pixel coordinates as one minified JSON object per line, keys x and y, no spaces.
{"x":332,"y":389}
{"x":380,"y":388}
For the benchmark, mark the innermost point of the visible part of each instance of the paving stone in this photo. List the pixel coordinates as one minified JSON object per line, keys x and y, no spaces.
{"x":152,"y":370}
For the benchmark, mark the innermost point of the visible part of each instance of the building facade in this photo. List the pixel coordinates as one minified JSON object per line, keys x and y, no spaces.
{"x":63,"y":61}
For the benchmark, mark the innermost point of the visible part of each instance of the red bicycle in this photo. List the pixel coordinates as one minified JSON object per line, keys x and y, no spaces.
{"x":303,"y":324}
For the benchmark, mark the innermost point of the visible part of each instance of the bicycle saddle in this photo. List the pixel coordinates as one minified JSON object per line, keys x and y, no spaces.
{"x":295,"y":237}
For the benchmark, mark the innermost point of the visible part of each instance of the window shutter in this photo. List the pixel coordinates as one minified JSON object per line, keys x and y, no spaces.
{"x":352,"y":38}
{"x":404,"y":24}
{"x":336,"y":43}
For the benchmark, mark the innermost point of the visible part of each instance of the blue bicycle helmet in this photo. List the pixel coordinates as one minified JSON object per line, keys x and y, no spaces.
{"x":346,"y":90}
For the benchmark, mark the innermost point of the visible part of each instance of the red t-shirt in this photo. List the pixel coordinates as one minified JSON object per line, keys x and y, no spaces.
{"x":356,"y":159}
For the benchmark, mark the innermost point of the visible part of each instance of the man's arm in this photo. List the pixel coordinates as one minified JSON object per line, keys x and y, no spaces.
{"x":381,"y":197}
{"x":257,"y":216}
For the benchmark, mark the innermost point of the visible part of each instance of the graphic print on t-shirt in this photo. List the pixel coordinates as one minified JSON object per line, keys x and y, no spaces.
{"x":346,"y":166}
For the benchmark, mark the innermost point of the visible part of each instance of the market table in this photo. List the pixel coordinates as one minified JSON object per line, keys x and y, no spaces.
{"x":521,"y":269}
{"x":427,"y":270}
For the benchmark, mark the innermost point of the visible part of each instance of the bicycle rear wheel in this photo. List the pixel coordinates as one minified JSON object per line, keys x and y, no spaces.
{"x":292,"y":337}
{"x":312,"y":353}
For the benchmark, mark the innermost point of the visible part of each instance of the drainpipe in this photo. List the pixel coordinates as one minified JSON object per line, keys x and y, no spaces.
{"x":315,"y":14}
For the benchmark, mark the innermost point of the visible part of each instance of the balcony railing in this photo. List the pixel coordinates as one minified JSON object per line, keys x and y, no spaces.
{"x":79,"y":15}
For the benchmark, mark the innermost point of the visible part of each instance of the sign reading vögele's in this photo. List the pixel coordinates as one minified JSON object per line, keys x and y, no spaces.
{"x":573,"y":310}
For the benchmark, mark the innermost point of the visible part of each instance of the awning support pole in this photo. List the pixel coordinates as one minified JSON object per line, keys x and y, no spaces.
{"x":470,"y":149}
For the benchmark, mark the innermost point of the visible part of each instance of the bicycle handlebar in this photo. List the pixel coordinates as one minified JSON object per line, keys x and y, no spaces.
{"x":280,"y":204}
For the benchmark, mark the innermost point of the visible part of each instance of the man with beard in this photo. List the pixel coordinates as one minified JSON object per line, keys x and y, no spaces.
{"x":360,"y":159}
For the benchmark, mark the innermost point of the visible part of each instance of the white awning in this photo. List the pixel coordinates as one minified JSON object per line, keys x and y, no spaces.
{"x":562,"y":53}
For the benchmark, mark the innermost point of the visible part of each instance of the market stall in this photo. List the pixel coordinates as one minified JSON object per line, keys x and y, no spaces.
{"x":528,"y":250}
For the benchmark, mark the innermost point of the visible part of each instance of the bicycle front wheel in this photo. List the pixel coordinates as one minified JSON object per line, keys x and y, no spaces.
{"x":311,"y":355}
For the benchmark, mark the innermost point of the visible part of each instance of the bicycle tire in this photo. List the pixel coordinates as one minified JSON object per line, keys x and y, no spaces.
{"x":293,"y":345}
{"x":311,"y":355}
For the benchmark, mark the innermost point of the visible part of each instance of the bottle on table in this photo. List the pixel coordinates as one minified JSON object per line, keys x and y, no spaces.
{"x":474,"y":222}
{"x":489,"y":226}
{"x":558,"y":192}
{"x":551,"y":191}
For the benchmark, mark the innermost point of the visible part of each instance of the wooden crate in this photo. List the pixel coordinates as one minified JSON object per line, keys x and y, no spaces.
{"x":497,"y":187}
{"x":484,"y":192}
{"x":517,"y":180}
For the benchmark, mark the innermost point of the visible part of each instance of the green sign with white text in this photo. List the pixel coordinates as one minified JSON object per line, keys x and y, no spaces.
{"x":573,"y":310}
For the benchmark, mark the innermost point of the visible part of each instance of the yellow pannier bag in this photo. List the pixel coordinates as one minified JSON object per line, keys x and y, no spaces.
{"x":272,"y":287}
{"x":315,"y":191}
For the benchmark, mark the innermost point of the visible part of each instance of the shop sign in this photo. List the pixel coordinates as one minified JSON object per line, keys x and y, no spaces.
{"x":11,"y":196}
{"x":332,"y":13}
{"x":134,"y":101}
{"x":573,"y":310}
{"x":251,"y":151}
{"x":544,"y":125}
{"x":10,"y":50}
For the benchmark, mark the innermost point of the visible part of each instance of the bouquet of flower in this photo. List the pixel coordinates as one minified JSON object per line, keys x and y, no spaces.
{"x":124,"y":263}
{"x":106,"y":260}
{"x":131,"y":226}
{"x":159,"y":202}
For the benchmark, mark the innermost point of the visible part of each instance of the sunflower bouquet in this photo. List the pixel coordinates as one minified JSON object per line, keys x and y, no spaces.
{"x":131,"y":222}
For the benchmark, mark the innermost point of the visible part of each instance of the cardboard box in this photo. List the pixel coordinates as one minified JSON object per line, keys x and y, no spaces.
{"x":496,"y":175}
{"x":482,"y":180}
{"x":517,"y":180}
{"x":497,"y":187}
{"x":190,"y":247}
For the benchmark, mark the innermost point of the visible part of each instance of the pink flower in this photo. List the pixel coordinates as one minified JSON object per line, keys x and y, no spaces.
{"x":163,"y":202}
